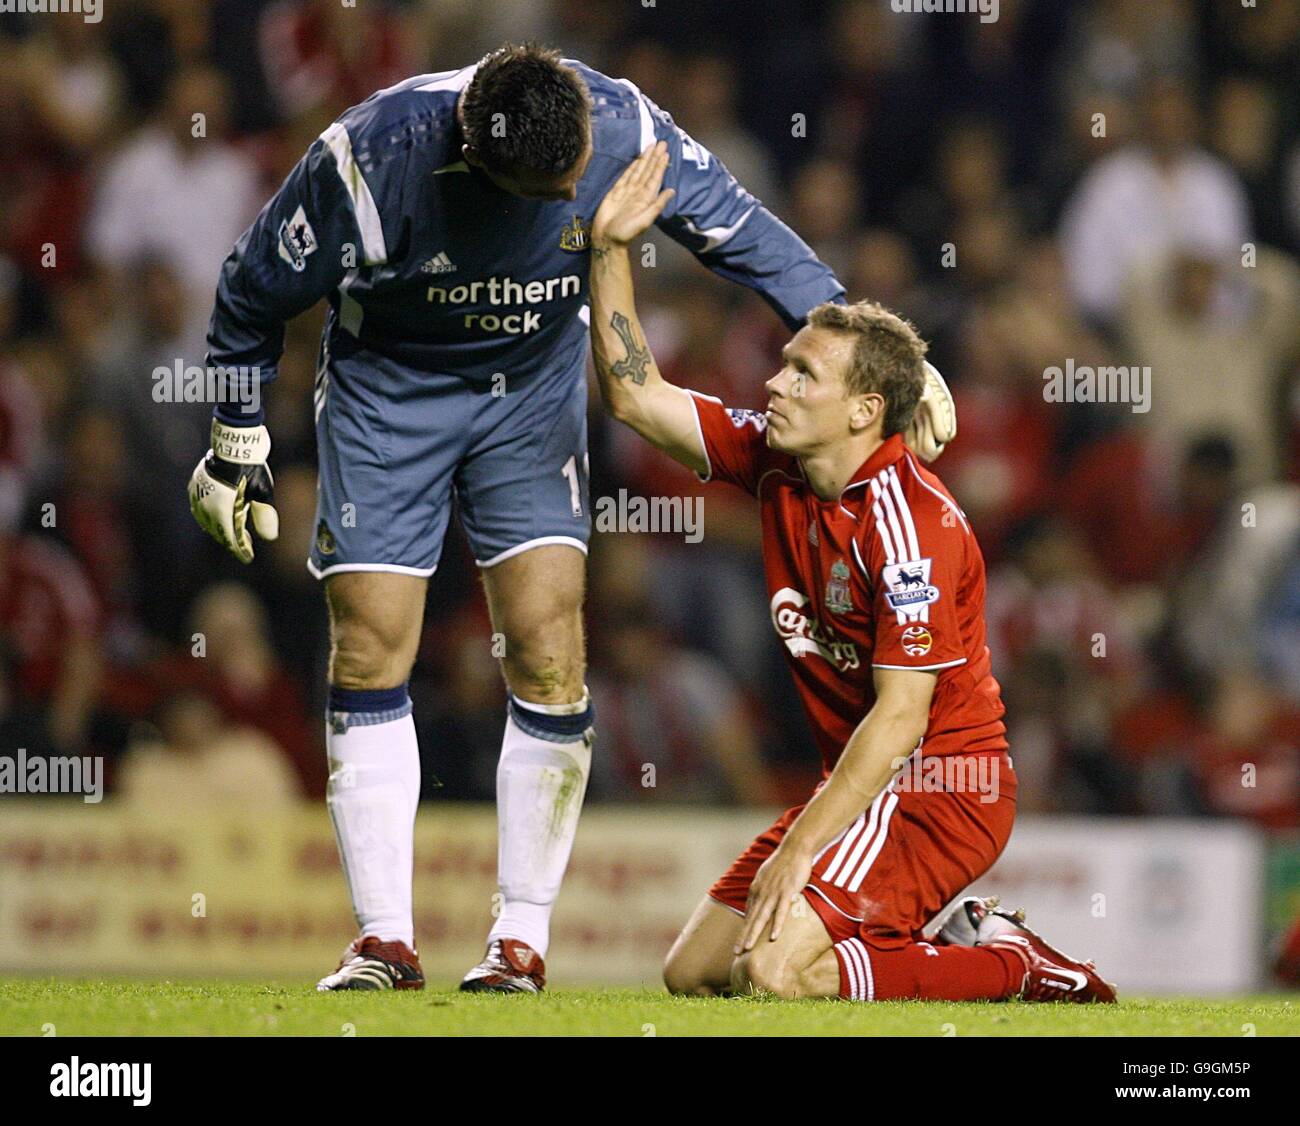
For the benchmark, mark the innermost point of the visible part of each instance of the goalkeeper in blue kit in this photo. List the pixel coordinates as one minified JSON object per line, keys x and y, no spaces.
{"x":446,"y":221}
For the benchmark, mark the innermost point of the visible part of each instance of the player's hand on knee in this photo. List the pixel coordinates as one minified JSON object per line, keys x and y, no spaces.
{"x":232,"y":486}
{"x":635,"y":201}
{"x":775,"y":888}
{"x":935,"y":423}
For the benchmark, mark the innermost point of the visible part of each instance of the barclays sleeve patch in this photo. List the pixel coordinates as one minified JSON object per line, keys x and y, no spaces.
{"x":297,"y":240}
{"x":907,"y":585}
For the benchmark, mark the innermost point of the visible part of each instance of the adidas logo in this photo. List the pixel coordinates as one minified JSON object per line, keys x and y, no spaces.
{"x":439,"y":264}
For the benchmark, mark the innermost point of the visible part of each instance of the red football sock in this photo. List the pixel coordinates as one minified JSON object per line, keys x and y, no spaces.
{"x":923,"y":972}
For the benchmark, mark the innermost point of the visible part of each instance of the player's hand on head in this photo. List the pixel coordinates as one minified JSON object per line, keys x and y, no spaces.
{"x":232,"y":487}
{"x":635,"y":201}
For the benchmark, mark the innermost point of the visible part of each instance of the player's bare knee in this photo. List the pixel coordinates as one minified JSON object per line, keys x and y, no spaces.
{"x":362,"y":656}
{"x":745,"y":978}
{"x":679,"y":984}
{"x":689,"y":985}
{"x":681,"y":978}
{"x":375,"y":622}
{"x":545,"y":667}
{"x":766,"y":969}
{"x":695,"y":989}
{"x":553,"y":682}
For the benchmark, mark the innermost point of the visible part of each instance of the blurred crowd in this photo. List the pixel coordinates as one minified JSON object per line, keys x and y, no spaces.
{"x":1110,"y":183}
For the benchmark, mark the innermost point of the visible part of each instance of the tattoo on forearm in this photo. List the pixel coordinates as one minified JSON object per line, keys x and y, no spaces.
{"x":638,"y":357}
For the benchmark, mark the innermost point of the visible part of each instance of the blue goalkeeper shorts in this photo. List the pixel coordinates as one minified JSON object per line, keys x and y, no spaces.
{"x":395,"y":444}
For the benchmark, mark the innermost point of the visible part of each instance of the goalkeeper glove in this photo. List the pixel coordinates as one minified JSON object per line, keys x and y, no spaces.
{"x":935,"y":423}
{"x":233,"y":482}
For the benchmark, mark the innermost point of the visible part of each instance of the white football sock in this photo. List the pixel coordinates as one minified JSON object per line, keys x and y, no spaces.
{"x":374,"y":789}
{"x":541,"y":781}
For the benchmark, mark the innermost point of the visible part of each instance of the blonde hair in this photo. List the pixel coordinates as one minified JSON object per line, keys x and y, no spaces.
{"x":888,"y":358}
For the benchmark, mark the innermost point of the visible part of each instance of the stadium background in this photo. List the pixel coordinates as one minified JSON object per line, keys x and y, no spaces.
{"x":1144,"y":567}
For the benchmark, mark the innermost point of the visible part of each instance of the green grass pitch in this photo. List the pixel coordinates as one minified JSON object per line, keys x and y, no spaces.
{"x":28,"y":1007}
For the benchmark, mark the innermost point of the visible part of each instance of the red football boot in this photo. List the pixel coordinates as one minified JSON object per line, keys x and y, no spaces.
{"x":368,"y":963}
{"x":509,"y":966}
{"x":1049,"y":974}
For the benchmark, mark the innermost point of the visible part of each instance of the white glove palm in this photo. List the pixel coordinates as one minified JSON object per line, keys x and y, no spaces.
{"x":935,"y":423}
{"x":232,"y":483}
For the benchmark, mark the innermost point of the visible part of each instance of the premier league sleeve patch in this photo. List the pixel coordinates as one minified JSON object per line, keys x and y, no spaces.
{"x":743,"y":417}
{"x":907,"y":585}
{"x":297,"y":240}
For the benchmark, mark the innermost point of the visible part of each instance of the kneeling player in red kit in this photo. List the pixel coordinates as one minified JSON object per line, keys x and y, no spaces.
{"x":876,"y":589}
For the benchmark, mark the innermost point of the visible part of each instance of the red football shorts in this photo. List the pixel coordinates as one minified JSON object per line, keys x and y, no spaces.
{"x":914,"y":850}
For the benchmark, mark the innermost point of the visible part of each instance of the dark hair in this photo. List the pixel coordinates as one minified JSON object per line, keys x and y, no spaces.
{"x":543,"y":106}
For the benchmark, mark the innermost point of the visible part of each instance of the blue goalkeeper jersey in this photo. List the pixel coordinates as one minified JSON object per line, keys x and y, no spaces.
{"x":426,"y":262}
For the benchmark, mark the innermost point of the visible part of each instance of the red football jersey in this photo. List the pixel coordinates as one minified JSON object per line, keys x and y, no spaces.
{"x":886,"y":575}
